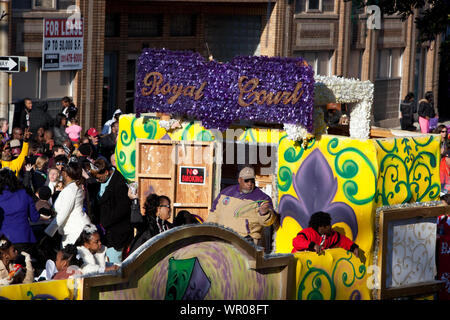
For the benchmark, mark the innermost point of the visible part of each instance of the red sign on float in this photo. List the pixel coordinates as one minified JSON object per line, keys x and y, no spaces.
{"x":192,"y":175}
{"x":62,"y":46}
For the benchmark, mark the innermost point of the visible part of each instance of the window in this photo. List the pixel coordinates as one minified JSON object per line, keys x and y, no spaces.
{"x":320,"y":61}
{"x":42,"y":84}
{"x":144,"y":25}
{"x":420,"y":63}
{"x":131,"y":83}
{"x":389,"y":63}
{"x":313,"y":5}
{"x":65,"y":4}
{"x":308,"y":6}
{"x":44,"y":4}
{"x":112,"y":25}
{"x":31,"y":78}
{"x":109,"y":85}
{"x":183,"y":25}
{"x":21,"y":4}
{"x":56,"y":84}
{"x":355,"y":64}
{"x":300,"y":6}
{"x":396,"y":66}
{"x":328,"y":5}
{"x":229,"y":36}
{"x":357,"y":10}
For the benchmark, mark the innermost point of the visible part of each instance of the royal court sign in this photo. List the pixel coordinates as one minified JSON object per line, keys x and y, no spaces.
{"x":257,"y":88}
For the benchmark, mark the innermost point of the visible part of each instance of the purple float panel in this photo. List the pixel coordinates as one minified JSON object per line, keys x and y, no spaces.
{"x":257,"y":88}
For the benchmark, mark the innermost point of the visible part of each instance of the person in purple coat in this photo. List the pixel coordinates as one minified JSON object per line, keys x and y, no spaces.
{"x":17,"y":209}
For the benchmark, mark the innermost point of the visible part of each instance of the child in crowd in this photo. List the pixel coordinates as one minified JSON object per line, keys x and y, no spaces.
{"x":52,"y":179}
{"x":92,"y":252}
{"x":73,"y":131}
{"x":11,"y":272}
{"x":39,"y":176}
{"x":65,"y":265}
{"x":43,"y":205}
{"x":58,"y":188}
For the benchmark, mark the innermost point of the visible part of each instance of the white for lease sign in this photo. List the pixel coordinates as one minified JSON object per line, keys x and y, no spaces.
{"x":62,"y":48}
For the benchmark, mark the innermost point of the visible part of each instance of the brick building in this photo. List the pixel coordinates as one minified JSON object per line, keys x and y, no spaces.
{"x":334,"y":34}
{"x":331,"y":34}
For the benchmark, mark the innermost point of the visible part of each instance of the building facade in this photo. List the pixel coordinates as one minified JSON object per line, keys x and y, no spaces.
{"x":26,"y":39}
{"x":340,"y":39}
{"x":332,"y":35}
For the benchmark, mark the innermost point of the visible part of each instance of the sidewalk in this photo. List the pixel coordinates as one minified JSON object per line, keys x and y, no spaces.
{"x":416,"y":124}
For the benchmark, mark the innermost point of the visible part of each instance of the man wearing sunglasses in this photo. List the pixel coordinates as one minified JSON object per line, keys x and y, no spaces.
{"x":244,"y":208}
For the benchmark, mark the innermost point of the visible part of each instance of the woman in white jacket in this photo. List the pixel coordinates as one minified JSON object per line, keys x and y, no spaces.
{"x":70,"y":218}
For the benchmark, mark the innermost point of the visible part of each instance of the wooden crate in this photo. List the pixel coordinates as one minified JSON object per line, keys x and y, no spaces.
{"x":158,"y":168}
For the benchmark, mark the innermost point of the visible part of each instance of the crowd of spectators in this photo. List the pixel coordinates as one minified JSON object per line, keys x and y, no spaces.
{"x":65,"y":210}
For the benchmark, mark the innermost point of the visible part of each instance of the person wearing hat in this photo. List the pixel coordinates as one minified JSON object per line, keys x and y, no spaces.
{"x":444,"y":172}
{"x":92,"y":135}
{"x":244,"y":208}
{"x":17,"y":163}
{"x":15,"y":146}
{"x":85,"y":150}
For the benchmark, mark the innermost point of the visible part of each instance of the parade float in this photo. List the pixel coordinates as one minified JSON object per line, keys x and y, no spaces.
{"x":381,"y":187}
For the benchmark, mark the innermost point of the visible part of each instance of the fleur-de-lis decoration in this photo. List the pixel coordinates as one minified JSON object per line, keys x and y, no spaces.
{"x":316,"y":186}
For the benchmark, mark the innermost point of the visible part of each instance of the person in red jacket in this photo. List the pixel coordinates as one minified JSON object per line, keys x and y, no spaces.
{"x":320,"y":236}
{"x":444,"y":173}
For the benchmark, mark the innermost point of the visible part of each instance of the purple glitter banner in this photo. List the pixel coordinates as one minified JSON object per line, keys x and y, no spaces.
{"x":266,"y":89}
